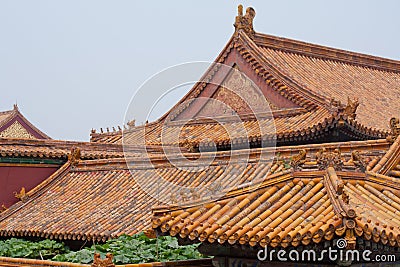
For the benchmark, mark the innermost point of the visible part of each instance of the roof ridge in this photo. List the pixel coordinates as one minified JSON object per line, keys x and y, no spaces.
{"x":12,"y":113}
{"x":344,"y":146}
{"x":335,"y":188}
{"x":52,"y":142}
{"x":339,"y":198}
{"x":321,"y":51}
{"x":289,"y":150}
{"x":7,"y":111}
{"x":382,"y":179}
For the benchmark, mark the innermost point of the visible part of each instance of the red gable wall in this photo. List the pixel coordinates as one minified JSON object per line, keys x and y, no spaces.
{"x":13,"y":178}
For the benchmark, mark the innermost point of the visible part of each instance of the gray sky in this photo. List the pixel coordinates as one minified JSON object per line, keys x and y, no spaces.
{"x":73,"y":65}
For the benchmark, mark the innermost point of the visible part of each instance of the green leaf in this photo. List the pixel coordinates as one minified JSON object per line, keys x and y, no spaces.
{"x":126,"y":249}
{"x":173,"y":243}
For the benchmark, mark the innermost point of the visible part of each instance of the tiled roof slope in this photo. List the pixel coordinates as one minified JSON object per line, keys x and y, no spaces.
{"x":333,"y":73}
{"x":293,"y":209}
{"x":14,"y":125}
{"x":101,"y":199}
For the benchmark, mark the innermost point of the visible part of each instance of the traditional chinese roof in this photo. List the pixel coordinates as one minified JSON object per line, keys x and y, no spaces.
{"x":14,"y":125}
{"x":102,"y":199}
{"x":301,"y":206}
{"x":311,"y":89}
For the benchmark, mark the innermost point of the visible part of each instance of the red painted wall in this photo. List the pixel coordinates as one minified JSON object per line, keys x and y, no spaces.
{"x":13,"y":178}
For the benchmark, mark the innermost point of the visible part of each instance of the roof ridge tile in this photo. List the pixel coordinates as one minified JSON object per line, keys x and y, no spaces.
{"x":326,"y":52}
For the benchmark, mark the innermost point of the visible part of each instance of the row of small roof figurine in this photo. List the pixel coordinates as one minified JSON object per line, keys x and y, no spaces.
{"x":129,"y":125}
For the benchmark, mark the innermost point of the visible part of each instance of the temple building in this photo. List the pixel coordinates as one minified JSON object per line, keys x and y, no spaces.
{"x":285,"y":145}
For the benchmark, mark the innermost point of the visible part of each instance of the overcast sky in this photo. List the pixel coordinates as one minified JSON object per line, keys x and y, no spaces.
{"x":73,"y":65}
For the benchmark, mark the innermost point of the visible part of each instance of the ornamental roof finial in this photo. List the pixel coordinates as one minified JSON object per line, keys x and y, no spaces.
{"x":351,"y":108}
{"x":245,"y":22}
{"x":74,"y":156}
